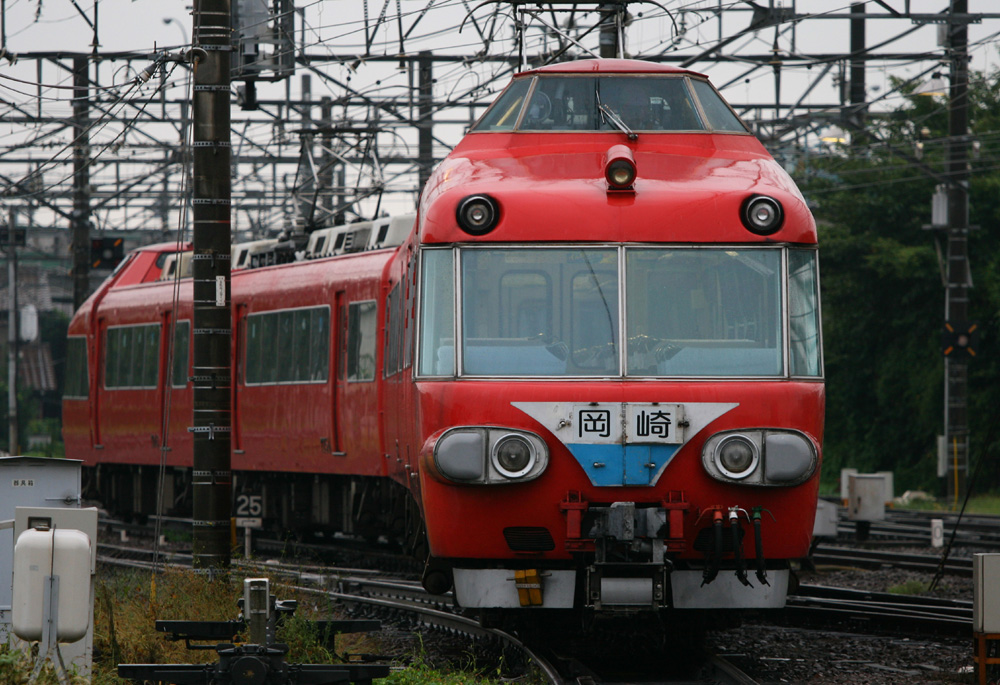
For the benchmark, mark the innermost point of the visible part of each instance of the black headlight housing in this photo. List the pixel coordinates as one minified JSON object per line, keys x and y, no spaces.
{"x":478,"y":214}
{"x":762,"y":215}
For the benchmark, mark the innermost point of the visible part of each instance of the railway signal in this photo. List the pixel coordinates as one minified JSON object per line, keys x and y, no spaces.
{"x":959,"y":340}
{"x":106,"y":253}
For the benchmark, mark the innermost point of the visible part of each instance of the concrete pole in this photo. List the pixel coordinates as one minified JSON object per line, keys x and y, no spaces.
{"x":12,"y":444}
{"x":212,"y":341}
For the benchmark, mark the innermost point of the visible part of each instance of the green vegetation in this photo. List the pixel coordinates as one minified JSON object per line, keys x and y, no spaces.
{"x":127,"y":604}
{"x":883,"y":300}
{"x":910,"y":587}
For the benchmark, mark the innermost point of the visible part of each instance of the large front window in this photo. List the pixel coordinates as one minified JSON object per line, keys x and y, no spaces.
{"x":620,"y":311}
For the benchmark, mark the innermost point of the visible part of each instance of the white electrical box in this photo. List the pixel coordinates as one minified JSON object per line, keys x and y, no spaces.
{"x":38,"y":555}
{"x":986,"y":593}
{"x":825,"y":525}
{"x":866,"y":497}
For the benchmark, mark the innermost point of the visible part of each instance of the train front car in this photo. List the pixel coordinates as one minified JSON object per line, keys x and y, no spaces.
{"x":619,"y":367}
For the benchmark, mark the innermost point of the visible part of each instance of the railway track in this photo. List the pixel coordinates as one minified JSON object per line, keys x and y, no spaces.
{"x":376,"y":591}
{"x":875,"y":559}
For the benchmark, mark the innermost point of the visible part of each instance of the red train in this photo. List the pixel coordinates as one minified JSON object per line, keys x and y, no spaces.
{"x":588,"y":375}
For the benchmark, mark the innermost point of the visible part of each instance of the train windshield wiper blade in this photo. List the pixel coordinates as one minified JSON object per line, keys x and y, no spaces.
{"x":616,"y":121}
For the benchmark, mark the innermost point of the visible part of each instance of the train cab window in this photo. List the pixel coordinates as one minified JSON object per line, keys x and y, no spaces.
{"x":803,"y":314}
{"x":287,"y":346}
{"x":361,"y":344}
{"x":182,"y":345}
{"x":720,"y":116}
{"x":515,"y":324}
{"x":132,"y":356}
{"x":704,"y":312}
{"x":656,"y":103}
{"x":77,"y":379}
{"x":504,"y":113}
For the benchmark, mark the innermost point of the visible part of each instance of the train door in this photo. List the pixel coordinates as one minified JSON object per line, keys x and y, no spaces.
{"x":237,"y":365}
{"x":97,"y":364}
{"x":338,"y":338}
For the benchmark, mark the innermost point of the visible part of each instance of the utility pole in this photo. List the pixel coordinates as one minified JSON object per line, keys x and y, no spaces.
{"x":81,"y":181}
{"x":12,"y":442}
{"x":958,"y":281}
{"x":425,"y":122}
{"x":212,"y":192}
{"x":859,"y":96}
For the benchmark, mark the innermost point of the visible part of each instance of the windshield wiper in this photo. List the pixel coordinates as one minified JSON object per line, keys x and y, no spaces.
{"x":616,"y":121}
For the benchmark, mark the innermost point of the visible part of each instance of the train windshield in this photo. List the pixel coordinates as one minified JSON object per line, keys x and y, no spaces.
{"x":628,"y":311}
{"x":651,"y":103}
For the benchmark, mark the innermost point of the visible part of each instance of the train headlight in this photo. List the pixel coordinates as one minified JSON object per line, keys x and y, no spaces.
{"x":488,"y":455}
{"x":761,"y":456}
{"x":513,"y":456}
{"x":478,"y":214}
{"x":619,"y":168}
{"x":762,"y":215}
{"x":737,"y":456}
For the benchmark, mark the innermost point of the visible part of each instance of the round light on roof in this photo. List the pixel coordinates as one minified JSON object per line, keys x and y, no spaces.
{"x":619,"y":168}
{"x":478,"y":214}
{"x":620,"y":173}
{"x":762,"y":215}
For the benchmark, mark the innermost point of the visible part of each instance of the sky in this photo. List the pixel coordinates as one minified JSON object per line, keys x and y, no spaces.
{"x":344,"y":45}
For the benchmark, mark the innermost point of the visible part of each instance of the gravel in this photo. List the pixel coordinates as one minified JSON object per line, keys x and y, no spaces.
{"x":777,"y":654}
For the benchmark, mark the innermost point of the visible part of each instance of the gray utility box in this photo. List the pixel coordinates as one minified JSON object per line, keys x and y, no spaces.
{"x":866,"y":497}
{"x":986,"y":593}
{"x":30,"y":482}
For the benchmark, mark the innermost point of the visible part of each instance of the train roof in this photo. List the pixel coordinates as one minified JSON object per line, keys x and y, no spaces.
{"x":609,"y":66}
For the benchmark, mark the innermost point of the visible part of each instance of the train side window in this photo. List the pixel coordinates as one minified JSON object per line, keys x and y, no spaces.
{"x":77,"y":380}
{"x":361,"y":343}
{"x":288,"y":346}
{"x":182,"y":338}
{"x":803,"y":313}
{"x":300,"y":345}
{"x":437,"y":314}
{"x":132,"y":356}
{"x":319,"y":344}
{"x":393,"y":323}
{"x":269,"y":348}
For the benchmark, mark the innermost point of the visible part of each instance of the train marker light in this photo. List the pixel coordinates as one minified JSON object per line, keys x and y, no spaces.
{"x":619,"y":168}
{"x":761,"y":214}
{"x":478,"y":214}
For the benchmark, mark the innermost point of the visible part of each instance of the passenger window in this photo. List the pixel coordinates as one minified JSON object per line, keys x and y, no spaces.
{"x":361,"y":341}
{"x":182,"y":337}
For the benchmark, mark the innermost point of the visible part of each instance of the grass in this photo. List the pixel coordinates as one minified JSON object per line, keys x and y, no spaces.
{"x":128,"y":603}
{"x":910,"y":587}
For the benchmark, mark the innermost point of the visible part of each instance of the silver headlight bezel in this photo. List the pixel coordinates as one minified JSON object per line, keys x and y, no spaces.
{"x":794,"y":457}
{"x":479,"y":446}
{"x":754,"y":462}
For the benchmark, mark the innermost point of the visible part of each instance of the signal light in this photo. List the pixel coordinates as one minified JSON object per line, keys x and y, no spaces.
{"x":619,"y":168}
{"x":106,"y":253}
{"x":762,"y":215}
{"x":959,"y":340}
{"x":478,"y":214}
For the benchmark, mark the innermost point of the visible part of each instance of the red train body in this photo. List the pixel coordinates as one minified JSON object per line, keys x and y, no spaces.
{"x":590,"y":376}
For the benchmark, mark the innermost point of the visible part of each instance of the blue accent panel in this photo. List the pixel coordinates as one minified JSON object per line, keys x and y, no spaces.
{"x":619,"y":465}
{"x":611,"y":456}
{"x":643,"y":462}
